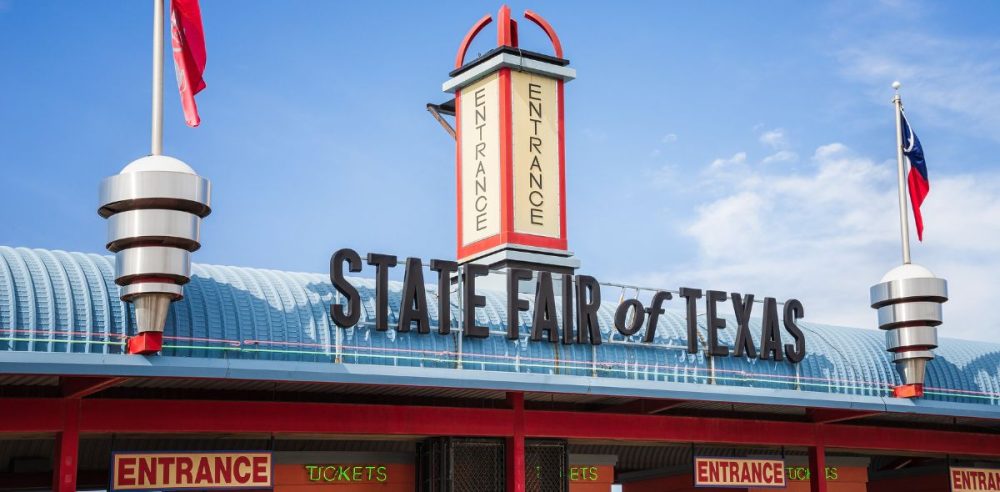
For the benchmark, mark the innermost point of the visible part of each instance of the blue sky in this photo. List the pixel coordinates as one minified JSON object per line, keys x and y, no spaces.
{"x":751,"y":143}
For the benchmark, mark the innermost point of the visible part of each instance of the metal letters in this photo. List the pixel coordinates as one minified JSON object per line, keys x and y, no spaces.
{"x":581,"y":292}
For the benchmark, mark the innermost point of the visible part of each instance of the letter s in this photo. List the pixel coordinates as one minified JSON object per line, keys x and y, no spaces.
{"x":793,"y":312}
{"x":350,"y":318}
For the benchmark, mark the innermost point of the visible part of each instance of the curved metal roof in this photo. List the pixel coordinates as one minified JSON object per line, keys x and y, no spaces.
{"x":59,"y":302}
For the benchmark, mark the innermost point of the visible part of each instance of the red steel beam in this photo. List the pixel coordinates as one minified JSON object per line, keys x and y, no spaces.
{"x":832,"y":415}
{"x":515,"y":464}
{"x":817,"y":464}
{"x":81,"y":386}
{"x":173,"y":416}
{"x":187,"y":416}
{"x":31,"y":415}
{"x":644,"y":406}
{"x":751,"y":432}
{"x":67,"y":448}
{"x":909,"y":439}
{"x":668,"y":428}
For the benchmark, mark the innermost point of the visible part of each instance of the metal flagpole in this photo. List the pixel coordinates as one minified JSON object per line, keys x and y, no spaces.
{"x":157,"y":129}
{"x":904,"y":224}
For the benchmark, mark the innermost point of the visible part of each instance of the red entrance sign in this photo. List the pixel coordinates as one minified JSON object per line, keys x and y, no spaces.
{"x":182,"y":471}
{"x":738,"y":473}
{"x":978,"y":479}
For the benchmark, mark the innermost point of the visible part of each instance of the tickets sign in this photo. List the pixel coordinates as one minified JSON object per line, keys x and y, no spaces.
{"x":978,"y":479}
{"x":185,"y":471}
{"x":348,"y":473}
{"x":738,"y":473}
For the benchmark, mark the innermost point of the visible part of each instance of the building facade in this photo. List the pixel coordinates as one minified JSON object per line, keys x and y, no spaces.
{"x":252,"y":362}
{"x":505,"y":370}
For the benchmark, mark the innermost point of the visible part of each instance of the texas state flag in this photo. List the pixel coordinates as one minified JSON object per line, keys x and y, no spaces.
{"x":917,"y":179}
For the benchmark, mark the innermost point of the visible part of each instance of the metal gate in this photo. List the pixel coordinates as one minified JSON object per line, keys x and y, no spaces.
{"x":433,"y":468}
{"x":455,"y":464}
{"x":546,"y":463}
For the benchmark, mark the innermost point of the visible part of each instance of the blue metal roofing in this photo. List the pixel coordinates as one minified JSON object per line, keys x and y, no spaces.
{"x":62,"y":303}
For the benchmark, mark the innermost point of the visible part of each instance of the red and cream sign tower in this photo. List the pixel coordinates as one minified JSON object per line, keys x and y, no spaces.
{"x":510,"y":153}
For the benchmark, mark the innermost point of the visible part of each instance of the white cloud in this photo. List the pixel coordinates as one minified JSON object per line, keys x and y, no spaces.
{"x":664,"y":177}
{"x":738,"y":159}
{"x":828,"y":150}
{"x":734,"y":171}
{"x":669,"y":138}
{"x":827,"y":234}
{"x":953,"y":82}
{"x":780,"y":156}
{"x":731,"y":220}
{"x":776,"y":138}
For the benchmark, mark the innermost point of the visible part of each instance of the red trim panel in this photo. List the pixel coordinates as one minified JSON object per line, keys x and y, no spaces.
{"x":23,"y":415}
{"x":458,"y":167}
{"x":31,"y":415}
{"x":506,"y":157}
{"x":562,"y":162}
{"x":755,"y":432}
{"x":149,"y":416}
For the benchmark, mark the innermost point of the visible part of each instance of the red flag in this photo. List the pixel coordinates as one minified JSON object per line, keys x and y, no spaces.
{"x":188,"y":40}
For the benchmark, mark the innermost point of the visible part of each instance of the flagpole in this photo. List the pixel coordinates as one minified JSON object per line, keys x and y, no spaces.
{"x":904,"y":224}
{"x":157,"y":127}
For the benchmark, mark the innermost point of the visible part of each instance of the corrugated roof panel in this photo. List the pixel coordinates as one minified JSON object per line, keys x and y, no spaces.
{"x":53,"y":301}
{"x":665,"y":456}
{"x":19,"y":380}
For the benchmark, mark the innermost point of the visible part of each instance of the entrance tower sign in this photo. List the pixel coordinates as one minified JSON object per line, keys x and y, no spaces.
{"x":511,"y":159}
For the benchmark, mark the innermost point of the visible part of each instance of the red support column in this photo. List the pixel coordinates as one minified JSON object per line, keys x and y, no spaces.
{"x":67,"y":445}
{"x":515,"y":445}
{"x":817,"y":469}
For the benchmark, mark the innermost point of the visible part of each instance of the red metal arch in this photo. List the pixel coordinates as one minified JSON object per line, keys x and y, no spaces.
{"x":549,"y":31}
{"x":469,"y":36}
{"x":507,"y":32}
